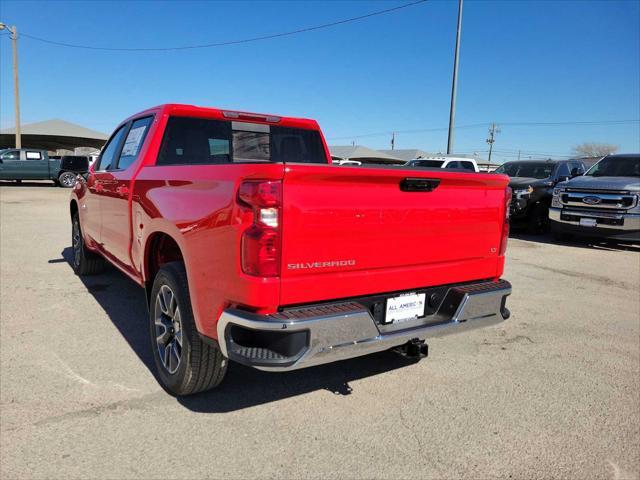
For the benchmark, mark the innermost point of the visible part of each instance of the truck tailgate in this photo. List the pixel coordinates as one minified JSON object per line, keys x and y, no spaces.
{"x":350,"y":231}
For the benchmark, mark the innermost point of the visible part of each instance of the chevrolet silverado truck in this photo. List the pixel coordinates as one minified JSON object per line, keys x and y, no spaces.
{"x":252,"y":247}
{"x":532,"y":185}
{"x":33,"y":164}
{"x":604,"y":203}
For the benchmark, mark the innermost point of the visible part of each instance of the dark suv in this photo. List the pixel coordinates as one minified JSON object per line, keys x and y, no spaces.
{"x":532,"y":183}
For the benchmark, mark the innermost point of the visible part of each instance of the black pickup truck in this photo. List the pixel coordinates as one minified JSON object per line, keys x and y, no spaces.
{"x":532,"y":183}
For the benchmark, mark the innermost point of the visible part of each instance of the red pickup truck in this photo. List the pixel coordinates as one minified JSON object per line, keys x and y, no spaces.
{"x":253,"y":247}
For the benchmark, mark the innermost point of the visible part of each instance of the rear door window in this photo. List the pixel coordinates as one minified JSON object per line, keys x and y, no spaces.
{"x":198,"y":141}
{"x":133,"y":143}
{"x":34,"y":155}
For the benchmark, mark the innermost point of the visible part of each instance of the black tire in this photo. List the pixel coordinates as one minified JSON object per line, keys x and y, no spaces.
{"x":561,"y":236}
{"x":84,"y":262}
{"x":67,"y":179}
{"x":188,"y":364}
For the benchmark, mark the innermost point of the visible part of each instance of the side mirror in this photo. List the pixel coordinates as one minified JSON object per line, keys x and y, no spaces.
{"x":576,"y":172}
{"x":563,"y":178}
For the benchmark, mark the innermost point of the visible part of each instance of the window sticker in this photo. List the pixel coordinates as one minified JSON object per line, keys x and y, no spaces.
{"x":133,"y":141}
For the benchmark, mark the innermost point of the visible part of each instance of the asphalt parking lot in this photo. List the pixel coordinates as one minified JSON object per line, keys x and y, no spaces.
{"x":552,"y":392}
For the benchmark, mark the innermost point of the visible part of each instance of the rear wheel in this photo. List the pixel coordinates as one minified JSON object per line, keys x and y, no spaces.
{"x":184,"y":362}
{"x":67,"y":179}
{"x":84,"y":261}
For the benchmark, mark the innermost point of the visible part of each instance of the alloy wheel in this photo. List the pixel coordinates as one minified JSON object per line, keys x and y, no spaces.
{"x":168,"y":328}
{"x":68,"y":179}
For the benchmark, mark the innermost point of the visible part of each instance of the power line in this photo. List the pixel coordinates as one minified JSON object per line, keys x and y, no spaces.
{"x":419,"y":130}
{"x":488,"y":124}
{"x":230,"y":42}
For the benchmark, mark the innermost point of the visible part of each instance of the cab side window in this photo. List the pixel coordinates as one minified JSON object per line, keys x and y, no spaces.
{"x":108,"y":157}
{"x":11,"y":155}
{"x":467,"y":166}
{"x":133,"y":143}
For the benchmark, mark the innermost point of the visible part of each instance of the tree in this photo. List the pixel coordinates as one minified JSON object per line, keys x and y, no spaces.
{"x":594,"y":149}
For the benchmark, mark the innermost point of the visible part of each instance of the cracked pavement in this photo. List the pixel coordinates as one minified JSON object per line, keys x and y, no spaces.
{"x":552,"y":392}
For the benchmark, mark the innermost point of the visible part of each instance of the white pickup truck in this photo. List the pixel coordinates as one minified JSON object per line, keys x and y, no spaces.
{"x":445,"y":162}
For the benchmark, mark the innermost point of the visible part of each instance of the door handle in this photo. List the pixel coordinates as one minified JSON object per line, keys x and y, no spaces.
{"x":419,"y":184}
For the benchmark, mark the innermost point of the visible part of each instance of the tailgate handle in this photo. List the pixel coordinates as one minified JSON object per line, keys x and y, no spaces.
{"x":419,"y":184}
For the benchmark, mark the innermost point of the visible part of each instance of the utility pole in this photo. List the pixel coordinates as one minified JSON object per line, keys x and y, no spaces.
{"x":492,"y":132}
{"x":13,"y":31}
{"x":393,"y":140}
{"x":454,"y":86}
{"x":518,"y":155}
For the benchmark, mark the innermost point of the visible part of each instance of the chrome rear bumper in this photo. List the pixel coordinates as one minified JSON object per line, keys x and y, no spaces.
{"x":314,"y":335}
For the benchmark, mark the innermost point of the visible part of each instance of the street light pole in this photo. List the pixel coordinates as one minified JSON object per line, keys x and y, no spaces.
{"x":454,"y":86}
{"x":13,"y":31}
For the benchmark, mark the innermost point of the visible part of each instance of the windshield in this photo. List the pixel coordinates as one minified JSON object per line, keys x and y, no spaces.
{"x":425,"y":163}
{"x":616,"y":167}
{"x":527,"y":169}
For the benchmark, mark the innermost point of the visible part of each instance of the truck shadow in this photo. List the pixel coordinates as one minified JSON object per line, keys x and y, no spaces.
{"x":590,"y":243}
{"x":124,"y":303}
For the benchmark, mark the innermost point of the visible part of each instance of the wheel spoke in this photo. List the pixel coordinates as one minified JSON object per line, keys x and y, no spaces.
{"x":162,"y":303}
{"x":167,"y":356}
{"x":175,"y":356}
{"x":166,"y":294}
{"x":168,"y":329}
{"x":168,"y":297}
{"x":162,"y":337}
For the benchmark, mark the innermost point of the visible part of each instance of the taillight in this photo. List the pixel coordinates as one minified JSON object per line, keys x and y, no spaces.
{"x":505,"y":224}
{"x":260,"y":248}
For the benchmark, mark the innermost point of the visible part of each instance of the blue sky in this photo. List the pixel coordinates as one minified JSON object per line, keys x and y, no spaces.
{"x":521,"y":61}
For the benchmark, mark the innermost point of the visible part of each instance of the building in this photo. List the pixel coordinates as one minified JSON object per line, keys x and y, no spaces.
{"x":362,"y":154}
{"x":53,"y":135}
{"x":407,"y":154}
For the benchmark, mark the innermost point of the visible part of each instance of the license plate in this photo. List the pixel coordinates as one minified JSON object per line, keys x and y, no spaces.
{"x":588,"y":222}
{"x":405,"y":307}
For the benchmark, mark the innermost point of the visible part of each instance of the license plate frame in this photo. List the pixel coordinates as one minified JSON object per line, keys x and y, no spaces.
{"x":405,"y":307}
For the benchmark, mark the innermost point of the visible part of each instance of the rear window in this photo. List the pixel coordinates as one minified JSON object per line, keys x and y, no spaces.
{"x":199,"y":141}
{"x":539,"y":170}
{"x":426,"y":163}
